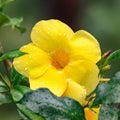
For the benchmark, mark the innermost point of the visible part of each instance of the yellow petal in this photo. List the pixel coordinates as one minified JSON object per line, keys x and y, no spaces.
{"x":38,"y":71}
{"x":51,"y":34}
{"x":53,"y":80}
{"x":84,"y":45}
{"x":83,"y":72}
{"x":35,"y":59}
{"x":75,"y":91}
{"x":91,"y":115}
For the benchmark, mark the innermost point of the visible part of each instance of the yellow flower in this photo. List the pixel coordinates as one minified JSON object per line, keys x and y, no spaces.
{"x":60,"y":60}
{"x":92,"y":114}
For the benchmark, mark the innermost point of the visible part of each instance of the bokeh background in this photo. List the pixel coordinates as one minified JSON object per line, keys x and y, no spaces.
{"x":100,"y":18}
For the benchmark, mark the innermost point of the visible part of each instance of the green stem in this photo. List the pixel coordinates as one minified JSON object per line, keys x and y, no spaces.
{"x":7,"y":68}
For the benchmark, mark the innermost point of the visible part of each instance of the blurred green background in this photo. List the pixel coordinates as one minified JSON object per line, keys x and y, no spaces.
{"x":100,"y":18}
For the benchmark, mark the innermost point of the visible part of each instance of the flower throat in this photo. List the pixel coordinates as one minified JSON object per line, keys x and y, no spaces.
{"x":59,"y":59}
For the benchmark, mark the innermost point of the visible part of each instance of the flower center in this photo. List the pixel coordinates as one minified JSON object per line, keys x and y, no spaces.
{"x":59,"y":59}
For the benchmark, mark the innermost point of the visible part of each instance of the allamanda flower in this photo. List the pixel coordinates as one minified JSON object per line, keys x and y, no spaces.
{"x":60,"y":60}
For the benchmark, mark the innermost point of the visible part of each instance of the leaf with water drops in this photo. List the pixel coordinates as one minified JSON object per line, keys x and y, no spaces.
{"x":51,"y":107}
{"x":108,"y":93}
{"x":109,"y":112}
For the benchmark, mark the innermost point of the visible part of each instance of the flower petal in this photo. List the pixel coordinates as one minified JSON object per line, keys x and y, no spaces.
{"x":53,"y":80}
{"x":51,"y":34}
{"x":35,"y":59}
{"x":84,"y":45}
{"x":75,"y":91}
{"x":83,"y":72}
{"x":91,"y":115}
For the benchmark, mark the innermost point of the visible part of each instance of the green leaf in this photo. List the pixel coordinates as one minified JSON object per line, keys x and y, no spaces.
{"x":114,"y":56}
{"x":108,"y":93}
{"x":4,"y":2}
{"x":109,"y":112}
{"x":11,"y":54}
{"x":107,"y":59}
{"x":4,"y":19}
{"x":27,"y":114}
{"x":16,"y":77}
{"x":22,"y":29}
{"x":15,"y":23}
{"x":4,"y":83}
{"x":5,"y":98}
{"x":18,"y":92}
{"x":51,"y":107}
{"x":3,"y":87}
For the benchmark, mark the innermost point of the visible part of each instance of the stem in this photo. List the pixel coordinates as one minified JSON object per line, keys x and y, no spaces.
{"x":6,"y":62}
{"x":7,"y":68}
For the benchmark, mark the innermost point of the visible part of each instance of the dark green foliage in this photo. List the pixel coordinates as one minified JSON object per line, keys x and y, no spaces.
{"x":108,"y":93}
{"x":15,"y":77}
{"x":109,"y":112}
{"x":108,"y":97}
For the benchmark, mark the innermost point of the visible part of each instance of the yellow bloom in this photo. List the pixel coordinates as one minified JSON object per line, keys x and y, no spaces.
{"x":92,"y":115}
{"x":60,"y":60}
